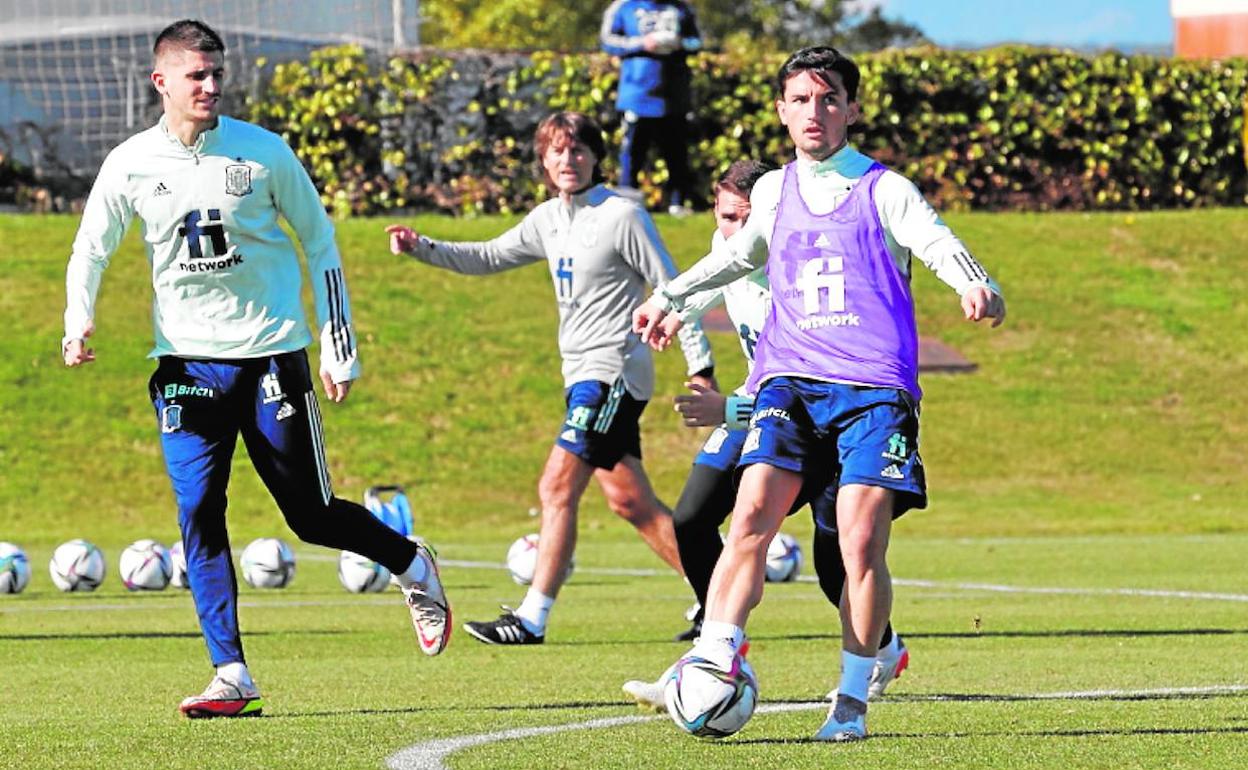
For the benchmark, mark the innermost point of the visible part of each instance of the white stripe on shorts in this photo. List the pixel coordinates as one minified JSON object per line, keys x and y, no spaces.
{"x":606,"y":415}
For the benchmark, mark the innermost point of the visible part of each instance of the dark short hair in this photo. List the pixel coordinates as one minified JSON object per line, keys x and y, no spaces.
{"x":822,"y":60}
{"x":741,"y":176}
{"x":187,"y":35}
{"x":571,"y":126}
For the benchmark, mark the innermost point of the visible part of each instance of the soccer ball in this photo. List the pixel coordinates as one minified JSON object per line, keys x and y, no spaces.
{"x":706,"y":701}
{"x":268,"y":563}
{"x":360,"y":574}
{"x":145,"y":566}
{"x":784,"y":559}
{"x":522,"y":560}
{"x":177,"y":563}
{"x":77,"y":566}
{"x":14,"y":569}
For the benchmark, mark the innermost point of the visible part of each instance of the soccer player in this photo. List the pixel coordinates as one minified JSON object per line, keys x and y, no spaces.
{"x":230,"y":337}
{"x":709,"y":491}
{"x":836,"y":365}
{"x":601,"y":250}
{"x":653,"y":40}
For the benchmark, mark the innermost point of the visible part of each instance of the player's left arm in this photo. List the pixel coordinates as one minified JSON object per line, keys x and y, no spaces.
{"x":915,"y":226}
{"x":642,"y":248}
{"x":297,"y":199}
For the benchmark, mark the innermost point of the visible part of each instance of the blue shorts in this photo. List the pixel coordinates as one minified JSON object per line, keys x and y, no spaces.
{"x":602,"y":424}
{"x":836,"y":434}
{"x":722,"y":449}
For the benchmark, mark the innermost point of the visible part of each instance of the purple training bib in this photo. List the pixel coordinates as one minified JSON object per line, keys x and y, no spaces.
{"x":840,"y":308}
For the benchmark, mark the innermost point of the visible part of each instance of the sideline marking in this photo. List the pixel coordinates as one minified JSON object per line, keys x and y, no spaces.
{"x":430,"y":755}
{"x":1152,"y":593}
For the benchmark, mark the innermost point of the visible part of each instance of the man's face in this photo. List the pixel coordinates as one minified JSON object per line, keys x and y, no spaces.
{"x":817,"y":115}
{"x":191,"y":84}
{"x":731,"y":211}
{"x":569,"y":164}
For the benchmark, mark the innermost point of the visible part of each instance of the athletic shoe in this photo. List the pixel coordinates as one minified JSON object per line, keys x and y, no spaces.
{"x":431,"y":613}
{"x":678,"y":211}
{"x":887,"y":668}
{"x":508,"y":629}
{"x":223,"y":698}
{"x":847,"y":721}
{"x":649,"y":695}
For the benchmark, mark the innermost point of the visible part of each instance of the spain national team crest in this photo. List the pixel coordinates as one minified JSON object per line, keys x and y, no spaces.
{"x":238,"y":179}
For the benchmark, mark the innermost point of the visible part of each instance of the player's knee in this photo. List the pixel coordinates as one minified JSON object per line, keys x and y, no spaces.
{"x":862,"y":547}
{"x":309,"y":520}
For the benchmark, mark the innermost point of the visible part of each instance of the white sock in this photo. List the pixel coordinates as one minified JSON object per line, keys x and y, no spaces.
{"x":416,"y":572}
{"x":236,"y":673}
{"x":855,"y":675}
{"x":719,"y":643}
{"x":533,"y":611}
{"x":718,"y":629}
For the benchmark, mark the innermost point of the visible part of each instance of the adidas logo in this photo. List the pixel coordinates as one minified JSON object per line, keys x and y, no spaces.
{"x":161,"y":190}
{"x":892,"y":472}
{"x":823,"y":242}
{"x":286,"y":410}
{"x":568,"y":435}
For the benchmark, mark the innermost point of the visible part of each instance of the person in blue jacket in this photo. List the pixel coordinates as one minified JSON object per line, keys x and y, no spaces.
{"x":653,"y":39}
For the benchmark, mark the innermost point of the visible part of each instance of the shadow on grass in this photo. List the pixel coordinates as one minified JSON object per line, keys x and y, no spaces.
{"x":1120,"y":733}
{"x":1060,"y":633}
{"x":131,"y":635}
{"x":529,"y":707}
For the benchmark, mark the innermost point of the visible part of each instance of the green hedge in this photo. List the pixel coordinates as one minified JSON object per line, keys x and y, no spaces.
{"x":1010,"y":128}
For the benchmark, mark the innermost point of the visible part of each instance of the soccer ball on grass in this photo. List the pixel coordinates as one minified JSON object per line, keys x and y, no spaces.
{"x":706,"y":701}
{"x":268,"y":563}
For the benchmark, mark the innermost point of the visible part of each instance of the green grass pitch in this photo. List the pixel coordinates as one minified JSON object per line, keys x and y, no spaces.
{"x":1074,"y":597}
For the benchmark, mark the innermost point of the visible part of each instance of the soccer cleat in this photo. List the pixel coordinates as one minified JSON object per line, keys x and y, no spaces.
{"x":508,"y":629}
{"x":223,"y":698}
{"x":887,"y":668}
{"x":649,"y":695}
{"x":847,"y":721}
{"x":431,"y":613}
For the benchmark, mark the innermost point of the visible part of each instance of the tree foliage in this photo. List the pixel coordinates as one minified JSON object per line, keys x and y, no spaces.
{"x":769,"y":25}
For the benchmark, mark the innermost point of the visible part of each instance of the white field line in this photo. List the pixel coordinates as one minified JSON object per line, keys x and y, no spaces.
{"x":430,"y":755}
{"x":945,"y":585}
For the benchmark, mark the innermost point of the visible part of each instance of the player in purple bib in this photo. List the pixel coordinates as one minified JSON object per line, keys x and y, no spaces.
{"x":835,"y":421}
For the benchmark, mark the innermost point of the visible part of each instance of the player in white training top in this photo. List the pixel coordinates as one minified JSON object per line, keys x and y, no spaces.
{"x":601,"y":249}
{"x":230,"y":335}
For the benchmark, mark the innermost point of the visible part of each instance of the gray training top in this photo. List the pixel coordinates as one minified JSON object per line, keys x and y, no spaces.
{"x":601,"y":249}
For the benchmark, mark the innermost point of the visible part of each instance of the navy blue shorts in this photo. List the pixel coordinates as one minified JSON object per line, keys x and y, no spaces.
{"x":602,"y":424}
{"x":836,"y":434}
{"x":722,"y":449}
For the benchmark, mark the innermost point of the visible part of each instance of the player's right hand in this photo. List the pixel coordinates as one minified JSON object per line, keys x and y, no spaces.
{"x":704,"y":408}
{"x":646,"y":322}
{"x":76,"y":352}
{"x":403,"y":239}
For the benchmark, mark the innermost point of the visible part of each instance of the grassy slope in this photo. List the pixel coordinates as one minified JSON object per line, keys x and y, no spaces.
{"x":1105,"y":419}
{"x":1110,"y":402}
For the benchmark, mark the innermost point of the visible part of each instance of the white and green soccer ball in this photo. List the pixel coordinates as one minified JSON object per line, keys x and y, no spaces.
{"x":14,"y":569}
{"x":361,"y":575}
{"x":145,"y":566}
{"x":268,"y":563}
{"x":77,"y":566}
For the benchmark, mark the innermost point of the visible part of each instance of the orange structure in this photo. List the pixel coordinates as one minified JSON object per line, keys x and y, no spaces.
{"x":1214,"y":29}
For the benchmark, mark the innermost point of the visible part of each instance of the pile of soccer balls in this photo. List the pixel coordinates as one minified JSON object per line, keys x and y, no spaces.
{"x":145,"y":565}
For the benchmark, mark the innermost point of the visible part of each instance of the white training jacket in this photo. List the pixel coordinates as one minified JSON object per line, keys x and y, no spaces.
{"x":226,"y":278}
